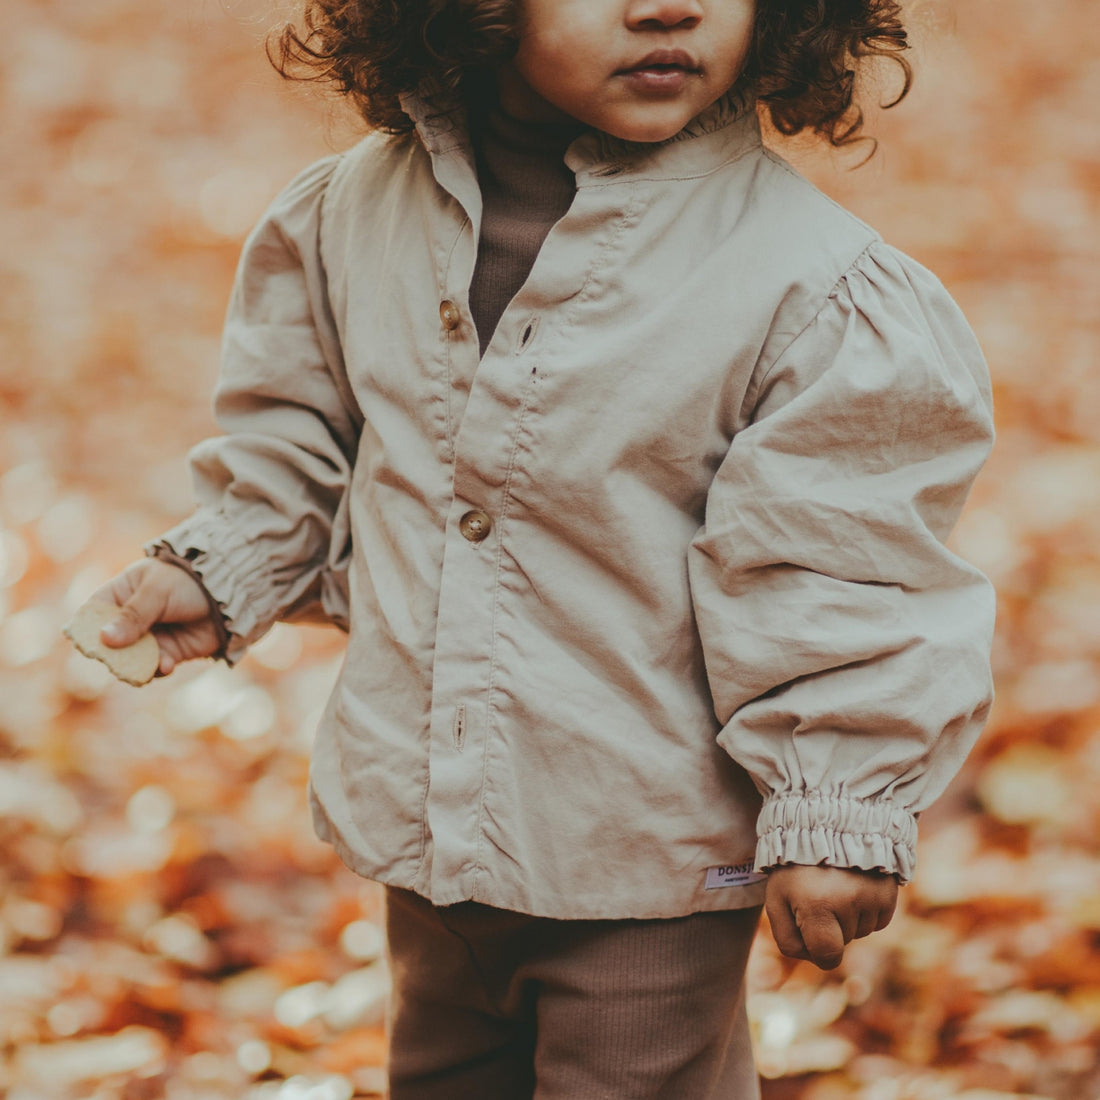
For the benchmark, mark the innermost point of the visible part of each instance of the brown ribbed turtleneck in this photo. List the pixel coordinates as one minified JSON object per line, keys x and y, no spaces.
{"x":526,"y":187}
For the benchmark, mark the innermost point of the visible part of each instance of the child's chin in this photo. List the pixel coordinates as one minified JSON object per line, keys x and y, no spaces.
{"x":646,"y":130}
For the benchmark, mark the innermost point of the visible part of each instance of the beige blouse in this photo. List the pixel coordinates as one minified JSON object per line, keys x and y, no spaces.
{"x":652,"y":596}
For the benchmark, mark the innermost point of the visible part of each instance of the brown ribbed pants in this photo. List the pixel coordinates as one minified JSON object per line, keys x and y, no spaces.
{"x":494,"y":1005}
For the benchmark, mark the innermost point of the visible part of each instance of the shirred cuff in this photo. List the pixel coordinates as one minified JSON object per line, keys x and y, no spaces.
{"x":837,"y":830}
{"x":231,"y":577}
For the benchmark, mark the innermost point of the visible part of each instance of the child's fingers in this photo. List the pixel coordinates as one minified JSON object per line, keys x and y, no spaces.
{"x":885,"y":916}
{"x":785,"y":930}
{"x":120,"y":588}
{"x":868,"y":923}
{"x":185,"y":642}
{"x":824,"y":938}
{"x":136,"y":616}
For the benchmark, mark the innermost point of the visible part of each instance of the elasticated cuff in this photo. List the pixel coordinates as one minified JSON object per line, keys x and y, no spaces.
{"x":810,"y":827}
{"x":230,"y":578}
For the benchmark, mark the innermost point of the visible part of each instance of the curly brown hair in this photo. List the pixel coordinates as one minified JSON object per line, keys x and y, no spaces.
{"x":802,"y":65}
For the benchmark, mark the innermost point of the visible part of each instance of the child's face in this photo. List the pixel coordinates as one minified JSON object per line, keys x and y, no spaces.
{"x":636,"y":69}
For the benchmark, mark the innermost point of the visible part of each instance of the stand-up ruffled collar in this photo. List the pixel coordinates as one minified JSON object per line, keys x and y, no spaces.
{"x":726,"y":128}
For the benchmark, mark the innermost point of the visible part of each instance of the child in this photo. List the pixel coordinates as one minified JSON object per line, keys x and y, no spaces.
{"x":625,"y":458}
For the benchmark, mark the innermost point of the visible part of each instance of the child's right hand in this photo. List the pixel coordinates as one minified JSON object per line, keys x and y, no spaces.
{"x":152,"y":593}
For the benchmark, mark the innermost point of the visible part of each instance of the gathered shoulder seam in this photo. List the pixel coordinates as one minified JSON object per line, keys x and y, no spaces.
{"x":763,"y":372}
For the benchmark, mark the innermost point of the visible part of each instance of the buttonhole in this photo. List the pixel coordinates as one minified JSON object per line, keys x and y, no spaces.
{"x":460,"y":726}
{"x":527,"y":335}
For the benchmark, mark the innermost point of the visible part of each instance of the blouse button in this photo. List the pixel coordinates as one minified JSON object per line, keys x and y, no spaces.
{"x":449,"y":315}
{"x":475,"y":526}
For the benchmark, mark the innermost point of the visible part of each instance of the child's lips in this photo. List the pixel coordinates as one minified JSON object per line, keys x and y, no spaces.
{"x":661,"y":72}
{"x":658,"y":81}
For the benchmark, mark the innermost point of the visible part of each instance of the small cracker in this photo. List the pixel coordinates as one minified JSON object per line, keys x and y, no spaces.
{"x":133,"y":664}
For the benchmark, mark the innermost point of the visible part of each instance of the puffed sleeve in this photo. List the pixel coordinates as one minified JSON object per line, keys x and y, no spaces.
{"x":269,"y":539}
{"x":846,"y":647}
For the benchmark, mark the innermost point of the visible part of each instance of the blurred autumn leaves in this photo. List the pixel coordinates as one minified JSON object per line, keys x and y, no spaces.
{"x":169,"y":926}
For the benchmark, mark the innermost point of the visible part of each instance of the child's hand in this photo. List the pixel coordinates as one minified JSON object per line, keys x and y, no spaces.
{"x":815,"y":912}
{"x":155,"y":593}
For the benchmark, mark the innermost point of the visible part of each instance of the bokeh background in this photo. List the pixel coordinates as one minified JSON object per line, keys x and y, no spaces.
{"x":169,"y":927}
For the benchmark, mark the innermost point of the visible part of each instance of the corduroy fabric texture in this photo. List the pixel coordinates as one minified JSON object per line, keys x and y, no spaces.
{"x":494,"y":1005}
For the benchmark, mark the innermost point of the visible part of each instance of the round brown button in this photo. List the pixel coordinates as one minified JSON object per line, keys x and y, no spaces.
{"x":449,"y":315}
{"x":475,"y":526}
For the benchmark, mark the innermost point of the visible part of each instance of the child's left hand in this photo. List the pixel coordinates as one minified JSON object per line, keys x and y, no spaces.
{"x":815,"y":912}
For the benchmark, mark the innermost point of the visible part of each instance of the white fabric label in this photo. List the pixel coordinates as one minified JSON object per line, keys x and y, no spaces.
{"x":732,"y":874}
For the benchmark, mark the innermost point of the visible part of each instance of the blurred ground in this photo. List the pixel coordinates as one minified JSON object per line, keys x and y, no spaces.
{"x":168,"y":925}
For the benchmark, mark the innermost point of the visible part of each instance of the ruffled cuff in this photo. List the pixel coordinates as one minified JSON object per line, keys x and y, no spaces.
{"x":232,"y":582}
{"x":837,"y":830}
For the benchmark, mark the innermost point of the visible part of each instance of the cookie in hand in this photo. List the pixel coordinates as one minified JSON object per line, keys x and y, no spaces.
{"x":133,"y":664}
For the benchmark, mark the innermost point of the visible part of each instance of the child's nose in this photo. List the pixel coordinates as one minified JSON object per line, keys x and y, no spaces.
{"x":663,"y":14}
